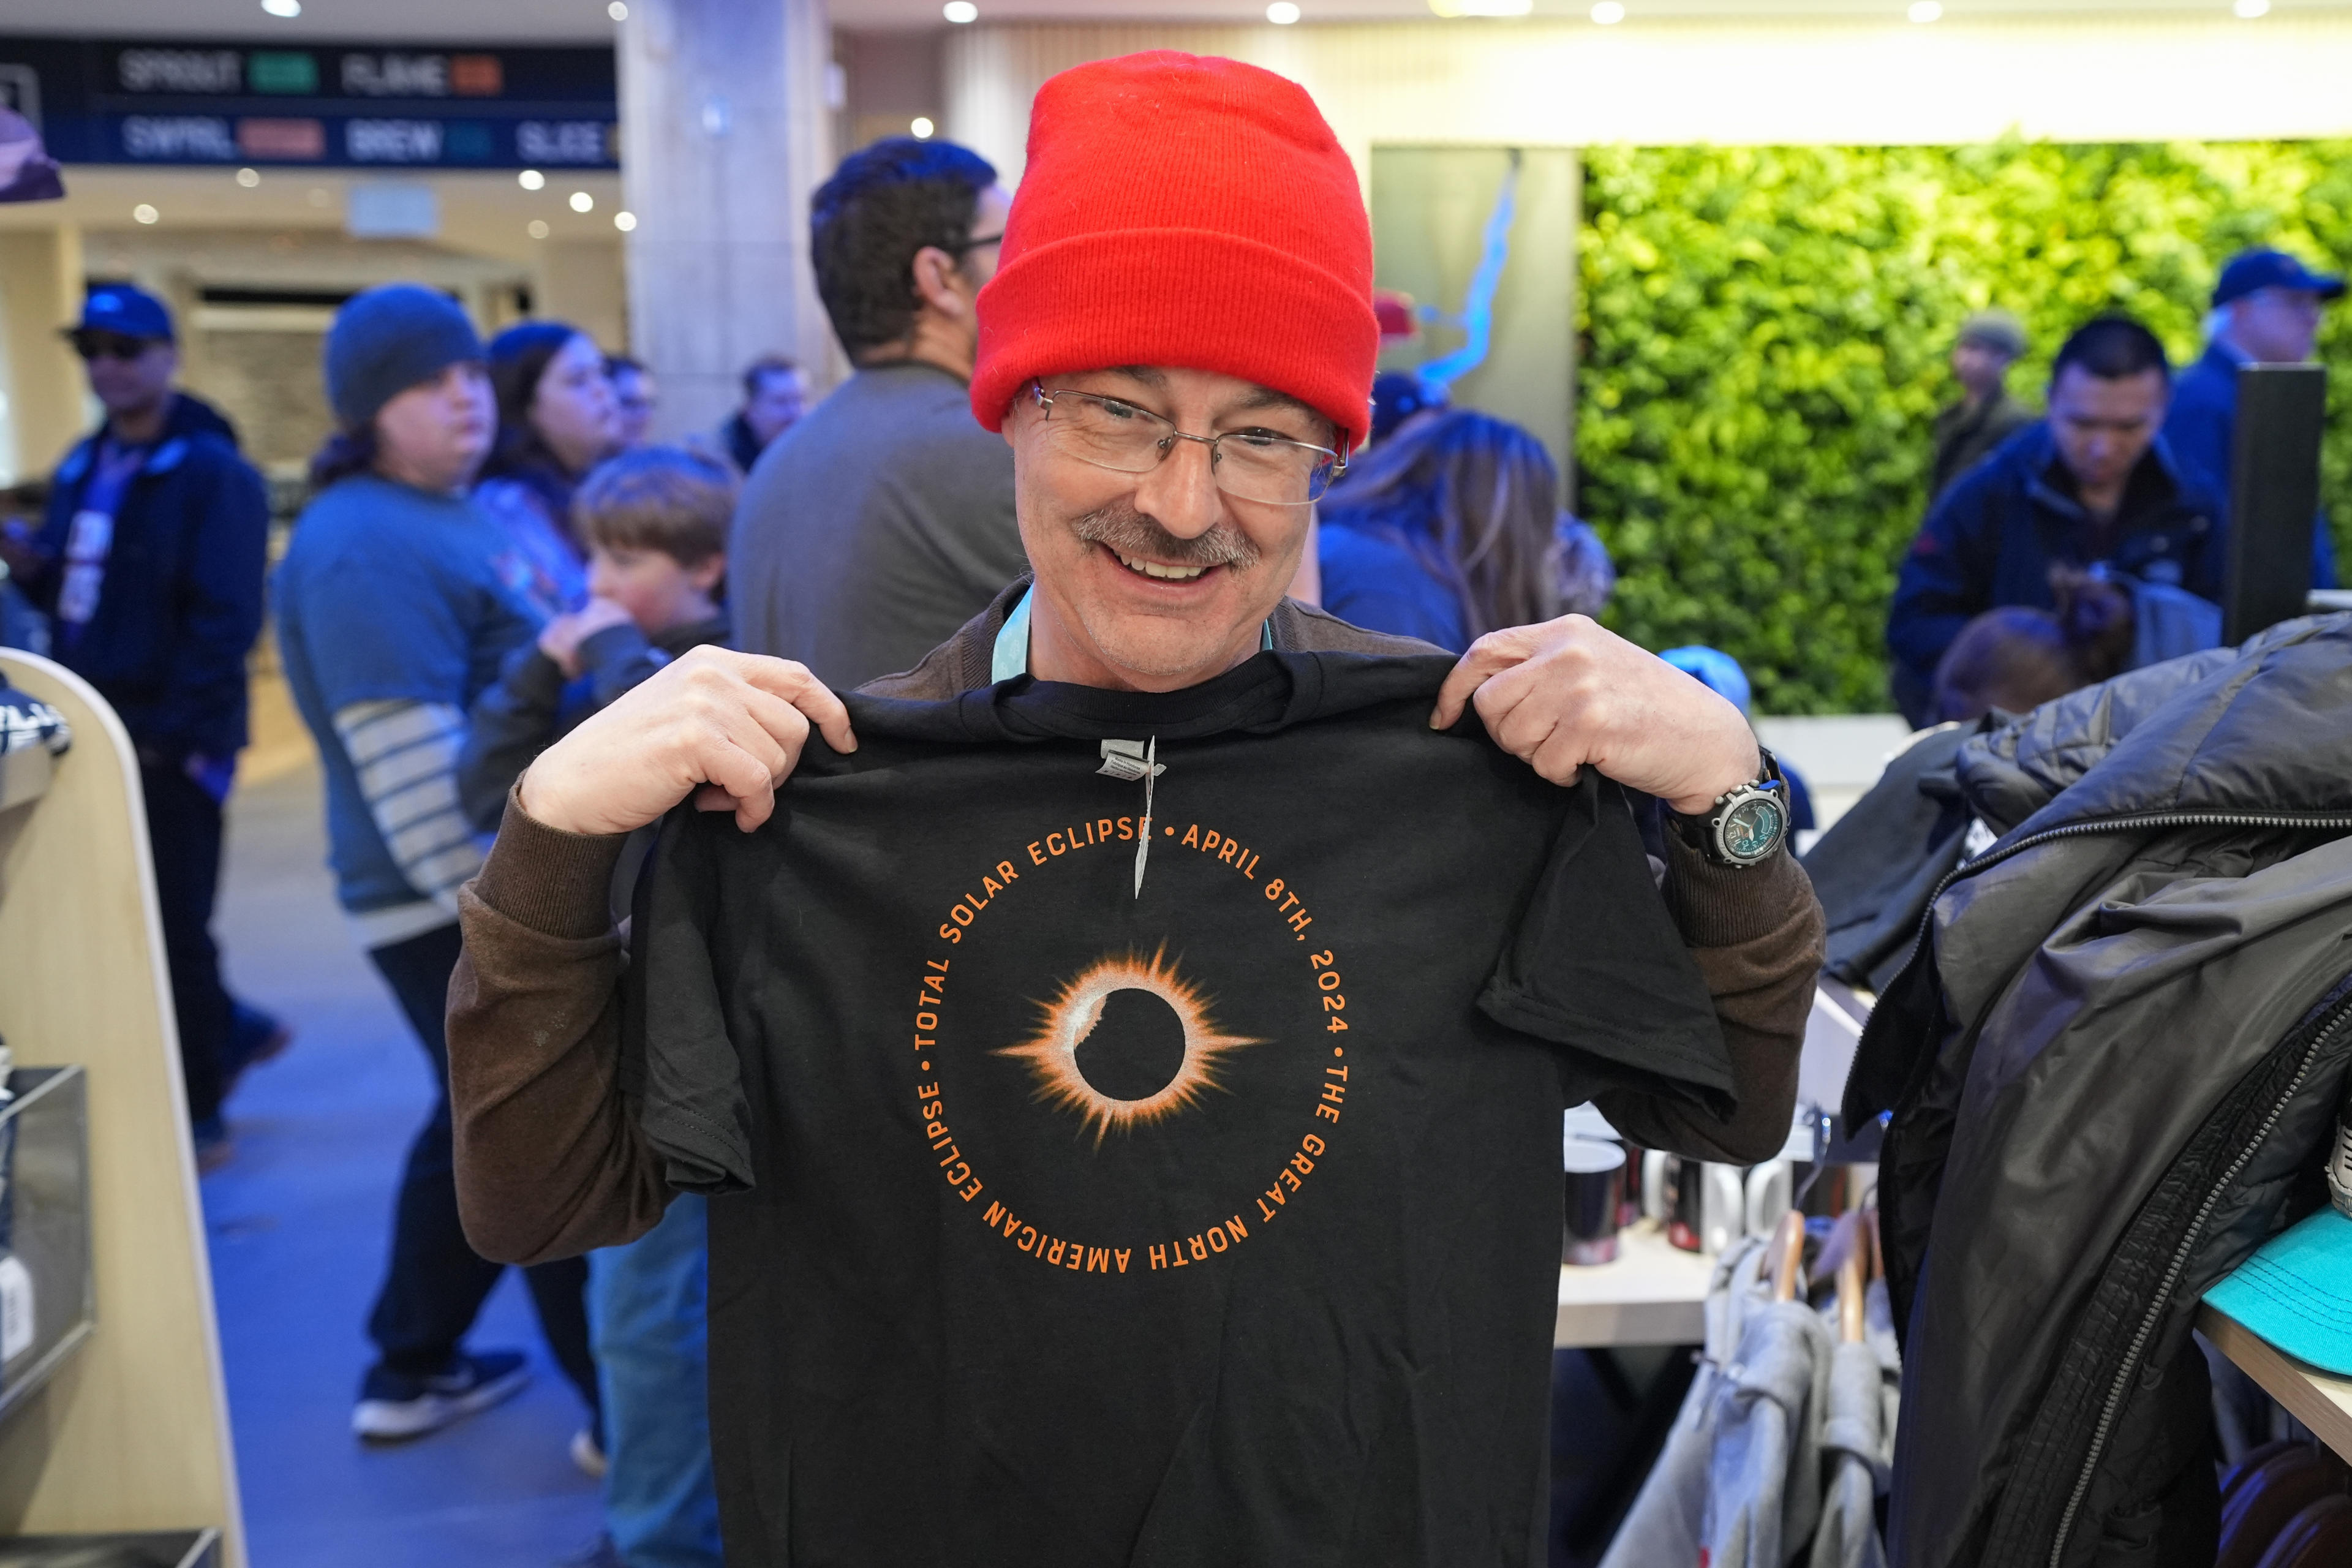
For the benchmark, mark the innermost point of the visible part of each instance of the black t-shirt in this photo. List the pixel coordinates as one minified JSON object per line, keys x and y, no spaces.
{"x":1056,"y":1223}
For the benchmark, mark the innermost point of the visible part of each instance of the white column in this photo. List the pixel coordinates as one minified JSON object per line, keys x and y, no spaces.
{"x":725,"y":131}
{"x":41,"y":290}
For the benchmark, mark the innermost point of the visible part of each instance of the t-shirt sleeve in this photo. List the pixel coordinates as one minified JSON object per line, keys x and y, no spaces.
{"x":677,"y":1065}
{"x":389,"y":629}
{"x":1597,"y":967}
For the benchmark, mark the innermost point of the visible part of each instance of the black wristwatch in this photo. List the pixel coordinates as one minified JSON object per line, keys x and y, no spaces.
{"x":1745,"y":826}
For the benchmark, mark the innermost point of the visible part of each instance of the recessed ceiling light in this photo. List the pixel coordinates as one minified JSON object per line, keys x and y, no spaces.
{"x":248,"y":178}
{"x":582,"y":202}
{"x":288,"y":8}
{"x":618,"y":10}
{"x":1609,"y":13}
{"x":530,"y":180}
{"x":1926,"y":11}
{"x":625,"y":221}
{"x":960,"y":12}
{"x":144,"y":213}
{"x":2250,"y":9}
{"x":536,"y":228}
{"x":1281,"y":12}
{"x":921,"y":126}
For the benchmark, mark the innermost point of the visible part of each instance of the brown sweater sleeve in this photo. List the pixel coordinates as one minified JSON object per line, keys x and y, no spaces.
{"x":1758,"y":938}
{"x":550,"y":1163}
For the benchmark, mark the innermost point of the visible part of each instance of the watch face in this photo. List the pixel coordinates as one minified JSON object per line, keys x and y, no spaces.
{"x":1752,"y":829}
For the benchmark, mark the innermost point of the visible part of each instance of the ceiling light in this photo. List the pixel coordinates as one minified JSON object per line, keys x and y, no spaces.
{"x":288,"y":8}
{"x":618,"y":10}
{"x":582,"y":202}
{"x":625,"y":221}
{"x":248,"y":178}
{"x":960,"y":12}
{"x":1926,"y":11}
{"x":1609,"y":13}
{"x":144,"y":213}
{"x":536,"y":228}
{"x":530,"y":180}
{"x":922,"y":127}
{"x":1481,"y":7}
{"x":1281,"y":12}
{"x":2250,"y":9}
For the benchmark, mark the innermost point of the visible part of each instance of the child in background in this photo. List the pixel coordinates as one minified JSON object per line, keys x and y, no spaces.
{"x":654,"y":524}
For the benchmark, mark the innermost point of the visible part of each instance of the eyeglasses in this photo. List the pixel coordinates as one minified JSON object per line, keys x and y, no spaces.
{"x":97,"y":345}
{"x":977,"y":241}
{"x":1248,"y":465}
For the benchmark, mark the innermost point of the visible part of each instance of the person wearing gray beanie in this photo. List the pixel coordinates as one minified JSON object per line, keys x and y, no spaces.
{"x":398,"y":599}
{"x":387,"y":339}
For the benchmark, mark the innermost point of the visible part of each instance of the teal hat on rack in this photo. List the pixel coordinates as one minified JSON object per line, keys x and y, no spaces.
{"x":2296,"y":1293}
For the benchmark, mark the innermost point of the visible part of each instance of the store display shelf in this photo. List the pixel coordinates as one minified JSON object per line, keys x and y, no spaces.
{"x":144,"y":1548}
{"x":25,"y":776}
{"x":1653,"y":1294}
{"x":47,"y":1296}
{"x":2320,"y":1400}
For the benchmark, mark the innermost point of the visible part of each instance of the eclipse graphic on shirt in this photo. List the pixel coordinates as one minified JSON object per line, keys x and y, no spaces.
{"x":1129,"y":1042}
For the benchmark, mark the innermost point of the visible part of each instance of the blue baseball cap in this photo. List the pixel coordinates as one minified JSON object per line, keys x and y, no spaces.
{"x":120,"y":308}
{"x":2252,"y":269}
{"x":2297,"y":1291}
{"x":1713,"y":668}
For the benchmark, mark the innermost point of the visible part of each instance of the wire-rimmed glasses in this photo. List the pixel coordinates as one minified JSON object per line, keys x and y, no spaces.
{"x":1251,"y":465}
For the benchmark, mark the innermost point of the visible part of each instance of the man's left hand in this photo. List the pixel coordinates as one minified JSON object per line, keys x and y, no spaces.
{"x":1567,"y":695}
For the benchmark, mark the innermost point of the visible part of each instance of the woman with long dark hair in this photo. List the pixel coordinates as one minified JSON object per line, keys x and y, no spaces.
{"x":557,"y":420}
{"x":1453,"y":530}
{"x":396,"y":603}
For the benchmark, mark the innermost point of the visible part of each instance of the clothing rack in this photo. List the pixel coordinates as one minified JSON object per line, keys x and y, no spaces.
{"x":132,"y":1432}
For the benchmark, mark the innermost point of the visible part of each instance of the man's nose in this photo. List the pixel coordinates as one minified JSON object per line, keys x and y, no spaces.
{"x":1182,"y":493}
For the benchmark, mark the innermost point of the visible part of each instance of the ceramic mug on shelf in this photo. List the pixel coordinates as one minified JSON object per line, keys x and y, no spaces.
{"x":1595,"y":1173}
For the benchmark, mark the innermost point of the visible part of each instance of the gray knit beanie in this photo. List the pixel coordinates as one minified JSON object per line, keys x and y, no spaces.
{"x":387,"y":339}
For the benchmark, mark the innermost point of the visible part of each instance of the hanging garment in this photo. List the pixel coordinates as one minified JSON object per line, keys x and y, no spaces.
{"x":1764,"y":1489}
{"x":2112,"y":1062}
{"x":1854,"y":1440}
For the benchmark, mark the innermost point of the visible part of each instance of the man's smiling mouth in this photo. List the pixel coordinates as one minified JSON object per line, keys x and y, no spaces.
{"x":1155,"y":571}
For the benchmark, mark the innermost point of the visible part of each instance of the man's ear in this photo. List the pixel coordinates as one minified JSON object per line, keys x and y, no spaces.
{"x":935,"y":276}
{"x":705,"y":575}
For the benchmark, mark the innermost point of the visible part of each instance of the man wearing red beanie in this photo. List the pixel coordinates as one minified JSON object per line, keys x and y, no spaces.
{"x":1128,"y":1070}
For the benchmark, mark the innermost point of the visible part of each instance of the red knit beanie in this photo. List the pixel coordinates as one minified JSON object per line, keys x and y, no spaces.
{"x":1184,"y":211}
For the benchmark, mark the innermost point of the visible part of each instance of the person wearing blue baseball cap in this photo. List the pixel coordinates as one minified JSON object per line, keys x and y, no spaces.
{"x":148,"y":566}
{"x":2267,"y":308}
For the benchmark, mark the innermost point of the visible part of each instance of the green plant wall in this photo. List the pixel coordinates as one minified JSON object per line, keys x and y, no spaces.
{"x":1765,"y":334}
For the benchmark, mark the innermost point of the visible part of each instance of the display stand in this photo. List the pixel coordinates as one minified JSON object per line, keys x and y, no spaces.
{"x":131,"y":1433}
{"x":2320,"y":1400}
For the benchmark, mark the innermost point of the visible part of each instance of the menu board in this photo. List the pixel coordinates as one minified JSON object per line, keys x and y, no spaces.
{"x":345,"y":105}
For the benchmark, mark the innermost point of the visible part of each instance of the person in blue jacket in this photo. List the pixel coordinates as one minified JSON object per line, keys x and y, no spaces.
{"x":2093,"y":481}
{"x":2267,"y":309}
{"x":148,"y":566}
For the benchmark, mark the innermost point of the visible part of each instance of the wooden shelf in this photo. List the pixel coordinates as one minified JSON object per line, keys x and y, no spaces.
{"x":2320,"y":1400}
{"x":131,"y":1432}
{"x":1653,"y":1294}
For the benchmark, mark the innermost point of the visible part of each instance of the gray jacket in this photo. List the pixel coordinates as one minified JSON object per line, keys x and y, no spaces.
{"x":871,"y":530}
{"x":2109,"y":1063}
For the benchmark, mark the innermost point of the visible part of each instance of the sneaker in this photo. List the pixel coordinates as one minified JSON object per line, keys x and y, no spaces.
{"x":254,"y":1037}
{"x":588,"y":1454}
{"x":394,"y":1405}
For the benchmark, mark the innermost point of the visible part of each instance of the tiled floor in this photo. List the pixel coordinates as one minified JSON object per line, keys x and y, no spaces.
{"x":298,"y":1225}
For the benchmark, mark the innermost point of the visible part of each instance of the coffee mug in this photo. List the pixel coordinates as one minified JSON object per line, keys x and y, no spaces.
{"x":1595,"y":1173}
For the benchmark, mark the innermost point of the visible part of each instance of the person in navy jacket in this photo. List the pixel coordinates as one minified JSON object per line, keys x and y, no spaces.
{"x":150,"y":567}
{"x":2093,"y":481}
{"x":2266,"y":311}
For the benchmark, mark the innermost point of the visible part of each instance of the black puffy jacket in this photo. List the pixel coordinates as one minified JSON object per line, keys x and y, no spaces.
{"x":2111,"y":1063}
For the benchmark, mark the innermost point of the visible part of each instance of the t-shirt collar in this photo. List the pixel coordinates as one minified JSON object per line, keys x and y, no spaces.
{"x":1010,"y":657}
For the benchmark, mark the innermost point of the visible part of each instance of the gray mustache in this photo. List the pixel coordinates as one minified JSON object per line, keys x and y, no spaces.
{"x":1128,"y":532}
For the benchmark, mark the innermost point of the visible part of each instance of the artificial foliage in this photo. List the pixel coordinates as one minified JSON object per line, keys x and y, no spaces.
{"x":1766,"y":333}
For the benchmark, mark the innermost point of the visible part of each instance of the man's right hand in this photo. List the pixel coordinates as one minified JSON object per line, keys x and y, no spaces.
{"x":725,"y":727}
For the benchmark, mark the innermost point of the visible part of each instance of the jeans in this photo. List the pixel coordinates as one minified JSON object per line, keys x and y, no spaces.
{"x":648,"y":1302}
{"x":436,"y":1284}
{"x":184,"y":837}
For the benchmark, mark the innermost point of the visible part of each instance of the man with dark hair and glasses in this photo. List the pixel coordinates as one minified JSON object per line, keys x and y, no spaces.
{"x":1129,"y":1069}
{"x":148,"y":566}
{"x":883,"y":520}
